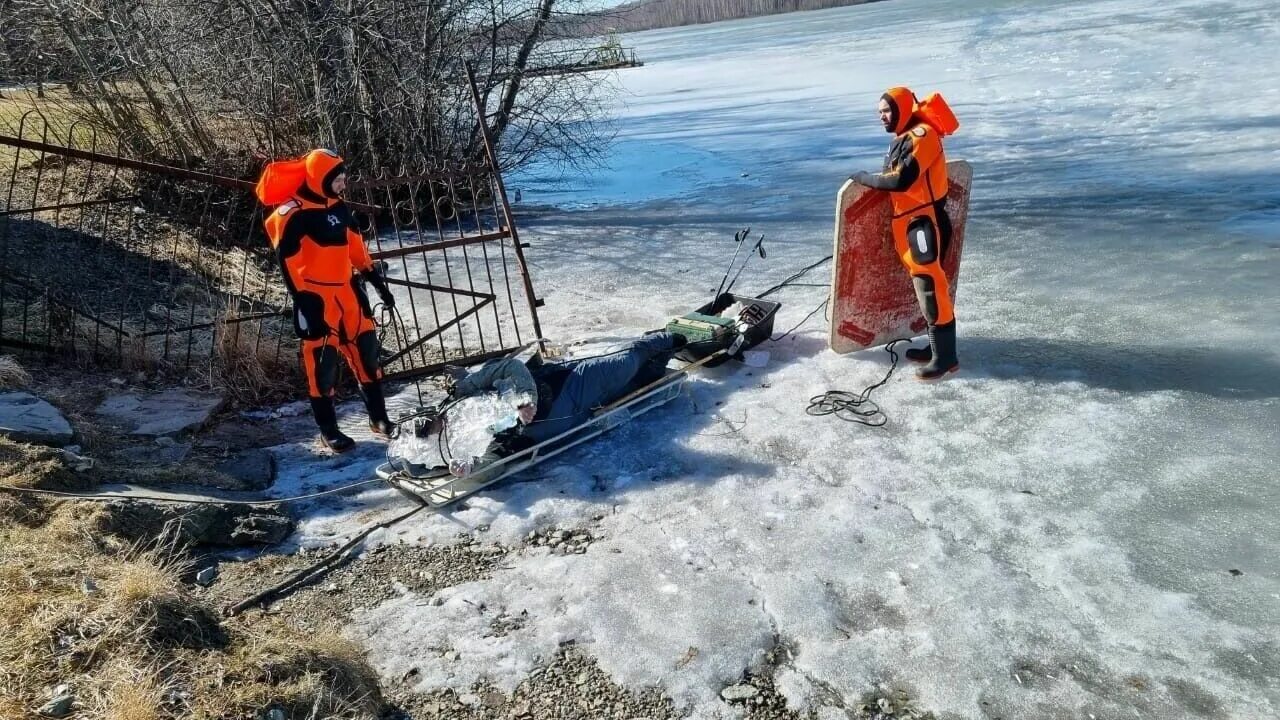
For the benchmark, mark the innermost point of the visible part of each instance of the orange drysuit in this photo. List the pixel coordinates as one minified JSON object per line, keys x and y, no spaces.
{"x":915,"y":174}
{"x":320,"y":249}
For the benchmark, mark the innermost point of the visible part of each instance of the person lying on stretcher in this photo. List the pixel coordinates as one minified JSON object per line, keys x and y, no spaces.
{"x":555,"y":397}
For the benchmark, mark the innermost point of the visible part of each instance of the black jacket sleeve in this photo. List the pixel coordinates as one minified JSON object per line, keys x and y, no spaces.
{"x":894,"y":181}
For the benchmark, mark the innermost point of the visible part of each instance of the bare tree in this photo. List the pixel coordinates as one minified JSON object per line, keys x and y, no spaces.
{"x":227,"y":83}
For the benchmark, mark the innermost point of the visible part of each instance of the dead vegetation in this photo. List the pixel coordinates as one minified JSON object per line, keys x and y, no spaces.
{"x":12,"y":376}
{"x":112,"y":621}
{"x":252,"y":368}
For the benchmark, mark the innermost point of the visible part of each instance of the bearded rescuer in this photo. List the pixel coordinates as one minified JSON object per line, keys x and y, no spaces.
{"x":319,"y":248}
{"x":915,"y":175}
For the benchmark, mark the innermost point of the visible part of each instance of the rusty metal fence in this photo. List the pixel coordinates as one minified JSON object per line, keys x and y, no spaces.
{"x":120,"y":263}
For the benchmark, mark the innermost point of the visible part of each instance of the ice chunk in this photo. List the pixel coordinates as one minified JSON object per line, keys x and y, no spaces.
{"x":471,"y":423}
{"x":418,"y":450}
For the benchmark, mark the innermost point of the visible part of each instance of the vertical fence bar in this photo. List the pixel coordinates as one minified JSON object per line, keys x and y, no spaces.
{"x":484,"y":250}
{"x":444,"y":254}
{"x":466,"y":257}
{"x":506,"y":270}
{"x":482,"y":121}
{"x":426,"y":264}
{"x":24,"y":335}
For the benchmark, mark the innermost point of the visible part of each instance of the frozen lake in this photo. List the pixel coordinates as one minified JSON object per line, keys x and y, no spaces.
{"x":1081,"y":524}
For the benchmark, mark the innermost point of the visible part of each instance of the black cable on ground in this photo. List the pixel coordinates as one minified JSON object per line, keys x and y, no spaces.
{"x":802,"y":322}
{"x":97,"y":497}
{"x":857,"y":408}
{"x":791,"y":279}
{"x":316,"y":569}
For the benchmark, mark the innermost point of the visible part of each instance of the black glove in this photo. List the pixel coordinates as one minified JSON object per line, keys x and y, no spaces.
{"x":374,"y":278}
{"x":862,"y":177}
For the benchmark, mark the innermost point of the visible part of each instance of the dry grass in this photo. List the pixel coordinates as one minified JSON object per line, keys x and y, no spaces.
{"x":137,"y":695}
{"x":115,"y":622}
{"x":12,"y":376}
{"x":37,"y":466}
{"x":248,"y":366}
{"x":274,"y":665}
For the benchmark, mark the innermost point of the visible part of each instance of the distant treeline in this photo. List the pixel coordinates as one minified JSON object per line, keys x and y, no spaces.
{"x":650,"y":14}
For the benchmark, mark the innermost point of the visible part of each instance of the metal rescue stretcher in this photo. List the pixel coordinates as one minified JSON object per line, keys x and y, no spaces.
{"x":436,"y":487}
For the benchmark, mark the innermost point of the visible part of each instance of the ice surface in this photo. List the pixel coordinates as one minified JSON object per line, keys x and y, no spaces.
{"x":1051,"y":533}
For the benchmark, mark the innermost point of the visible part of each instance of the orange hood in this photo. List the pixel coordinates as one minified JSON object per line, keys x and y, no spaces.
{"x":309,"y":177}
{"x":903,"y":102}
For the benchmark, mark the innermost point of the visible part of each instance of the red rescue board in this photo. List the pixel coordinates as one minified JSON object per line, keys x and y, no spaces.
{"x":872,"y":301}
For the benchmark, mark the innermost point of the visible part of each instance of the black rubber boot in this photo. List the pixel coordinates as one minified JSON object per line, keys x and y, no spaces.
{"x":327,"y":419}
{"x":920,"y":355}
{"x":376,"y":405}
{"x":942,"y":341}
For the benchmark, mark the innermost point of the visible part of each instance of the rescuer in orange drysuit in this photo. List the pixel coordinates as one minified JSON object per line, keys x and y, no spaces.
{"x":319,"y":247}
{"x":915,"y":174}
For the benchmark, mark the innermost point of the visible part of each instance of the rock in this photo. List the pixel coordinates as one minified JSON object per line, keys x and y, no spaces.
{"x":469,"y":699}
{"x":256,"y":528}
{"x":253,"y":469}
{"x":206,"y":524}
{"x":237,"y":434}
{"x":26,"y":418}
{"x":88,"y":586}
{"x":174,"y":696}
{"x":332,"y":589}
{"x":581,"y":537}
{"x":736,"y":693}
{"x":885,"y":706}
{"x":59,"y":706}
{"x":163,"y":413}
{"x":171,"y":453}
{"x":276,"y":714}
{"x":75,"y":461}
{"x":206,"y":576}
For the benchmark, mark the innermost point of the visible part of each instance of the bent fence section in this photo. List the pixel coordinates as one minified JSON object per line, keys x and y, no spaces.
{"x":114,"y":262}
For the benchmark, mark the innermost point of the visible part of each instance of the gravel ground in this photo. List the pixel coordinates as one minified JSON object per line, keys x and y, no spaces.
{"x":364,"y":581}
{"x":569,"y":686}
